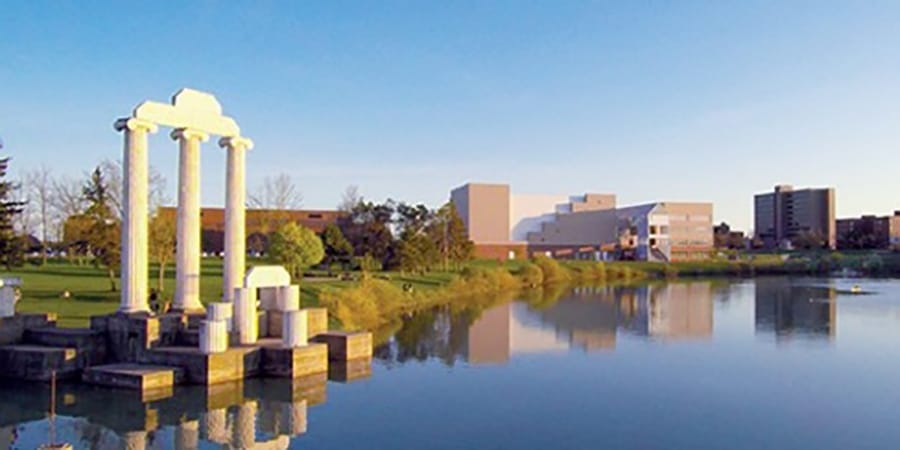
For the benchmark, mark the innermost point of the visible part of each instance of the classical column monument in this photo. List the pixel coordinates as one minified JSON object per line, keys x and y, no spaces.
{"x":193,"y":117}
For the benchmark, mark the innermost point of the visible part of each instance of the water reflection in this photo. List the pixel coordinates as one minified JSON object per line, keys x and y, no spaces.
{"x":787,"y":308}
{"x":555,"y":320}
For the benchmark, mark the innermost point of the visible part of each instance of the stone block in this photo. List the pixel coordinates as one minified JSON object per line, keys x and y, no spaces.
{"x":213,"y":336}
{"x":274,"y":323}
{"x":91,"y":344}
{"x":343,"y":345}
{"x":294,"y":362}
{"x":349,"y":371}
{"x":233,"y":364}
{"x":138,"y":377}
{"x":130,"y":336}
{"x":37,"y":363}
{"x":12,"y":329}
{"x":288,"y":298}
{"x":221,"y":311}
{"x":294,"y":327}
{"x":317,"y":321}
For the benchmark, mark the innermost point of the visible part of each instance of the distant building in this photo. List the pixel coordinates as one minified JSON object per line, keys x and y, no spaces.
{"x":504,"y":225}
{"x":260,"y":223}
{"x":869,"y":232}
{"x":786,"y":215}
{"x":725,"y":237}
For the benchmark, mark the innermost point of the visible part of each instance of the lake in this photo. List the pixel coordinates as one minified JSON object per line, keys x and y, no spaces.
{"x":800,"y":363}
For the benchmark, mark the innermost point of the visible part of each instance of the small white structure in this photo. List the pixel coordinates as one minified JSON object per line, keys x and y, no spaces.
{"x":221,"y":311}
{"x":267,"y":279}
{"x":193,"y":116}
{"x":246,"y":319}
{"x":9,"y":296}
{"x":213,"y":336}
{"x":294,"y":328}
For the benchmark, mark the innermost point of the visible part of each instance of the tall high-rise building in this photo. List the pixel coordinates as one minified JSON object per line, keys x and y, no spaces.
{"x":786,"y":215}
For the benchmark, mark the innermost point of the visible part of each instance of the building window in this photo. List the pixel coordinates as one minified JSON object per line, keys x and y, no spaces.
{"x":652,"y":229}
{"x":315,"y":216}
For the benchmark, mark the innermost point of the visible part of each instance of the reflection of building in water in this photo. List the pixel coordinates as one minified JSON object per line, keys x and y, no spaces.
{"x":672,"y":311}
{"x":588,"y":318}
{"x":787,"y":309}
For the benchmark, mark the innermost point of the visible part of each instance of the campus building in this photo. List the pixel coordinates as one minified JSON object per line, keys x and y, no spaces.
{"x":785,"y":215}
{"x":504,"y":225}
{"x":869,"y":232}
{"x":260,"y":223}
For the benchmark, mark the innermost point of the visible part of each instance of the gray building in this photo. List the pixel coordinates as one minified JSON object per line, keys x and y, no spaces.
{"x":786,"y":214}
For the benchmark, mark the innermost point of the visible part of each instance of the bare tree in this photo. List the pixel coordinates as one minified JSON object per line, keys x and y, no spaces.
{"x":68,"y":201}
{"x":113,"y":170}
{"x":350,"y":198}
{"x":277,"y":192}
{"x":39,"y":189}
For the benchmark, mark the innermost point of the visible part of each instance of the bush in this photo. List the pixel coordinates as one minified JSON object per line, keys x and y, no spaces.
{"x":553,"y":272}
{"x":531,"y":275}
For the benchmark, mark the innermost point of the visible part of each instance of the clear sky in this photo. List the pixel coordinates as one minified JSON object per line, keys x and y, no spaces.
{"x":652,"y":100}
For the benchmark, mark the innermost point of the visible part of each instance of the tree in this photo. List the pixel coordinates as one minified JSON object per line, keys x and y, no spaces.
{"x":162,"y":232}
{"x":296,"y":247}
{"x":449,"y":233}
{"x":337,"y":248}
{"x":39,"y":187}
{"x":272,"y":200}
{"x":809,"y":240}
{"x":368,"y":228}
{"x":350,"y":199}
{"x":113,"y":170}
{"x":416,"y":252}
{"x":103,"y":235}
{"x":12,"y":247}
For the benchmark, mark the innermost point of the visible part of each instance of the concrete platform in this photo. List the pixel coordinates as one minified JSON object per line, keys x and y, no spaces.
{"x":91,"y":344}
{"x":37,"y":363}
{"x":234,"y":364}
{"x":12,"y":329}
{"x":350,"y":371}
{"x":282,"y":362}
{"x":344,"y":346}
{"x":139,"y":377}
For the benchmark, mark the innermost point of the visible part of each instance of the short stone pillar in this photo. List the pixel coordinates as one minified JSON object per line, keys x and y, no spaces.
{"x":246,"y":320}
{"x":221,"y":311}
{"x":288,"y":298}
{"x":8,"y":296}
{"x":216,"y":426}
{"x":213,"y":336}
{"x":294,"y":328}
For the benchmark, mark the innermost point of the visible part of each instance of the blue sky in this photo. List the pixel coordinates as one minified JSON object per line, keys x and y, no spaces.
{"x":651,"y":100}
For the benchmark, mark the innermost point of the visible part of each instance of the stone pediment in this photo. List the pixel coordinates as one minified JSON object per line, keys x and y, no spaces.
{"x":189,"y":109}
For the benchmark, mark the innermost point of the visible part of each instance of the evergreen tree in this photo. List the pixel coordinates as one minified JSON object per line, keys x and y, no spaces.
{"x":337,"y":248}
{"x":12,"y":247}
{"x":103,"y":234}
{"x":448,"y":232}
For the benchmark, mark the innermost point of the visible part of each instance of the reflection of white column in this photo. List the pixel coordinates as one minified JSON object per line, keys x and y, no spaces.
{"x":134,"y":271}
{"x":187,"y":435}
{"x":245,"y":426}
{"x":235,"y":217}
{"x":187,"y":258}
{"x":134,"y":440}
{"x":216,"y":424}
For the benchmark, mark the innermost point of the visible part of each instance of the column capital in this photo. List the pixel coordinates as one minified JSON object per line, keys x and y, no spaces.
{"x":132,"y":124}
{"x":236,"y":142}
{"x":189,"y":133}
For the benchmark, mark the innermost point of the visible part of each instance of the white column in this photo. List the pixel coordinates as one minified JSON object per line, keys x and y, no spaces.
{"x":235,"y":217}
{"x":246,"y":319}
{"x":221,"y":311}
{"x":213,"y":337}
{"x":188,"y":252}
{"x":134,"y":271}
{"x":294,"y":330}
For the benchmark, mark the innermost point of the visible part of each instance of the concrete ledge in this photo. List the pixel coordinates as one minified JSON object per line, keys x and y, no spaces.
{"x":344,"y":346}
{"x":91,"y":344}
{"x":37,"y":363}
{"x":12,"y":329}
{"x":350,"y":371}
{"x":234,"y":364}
{"x":132,"y":376}
{"x":295,"y":362}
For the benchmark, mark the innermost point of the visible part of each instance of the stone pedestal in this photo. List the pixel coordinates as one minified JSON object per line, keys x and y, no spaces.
{"x":8,"y":297}
{"x":344,"y":346}
{"x":288,"y":298}
{"x":246,"y":319}
{"x":294,"y":325}
{"x":12,"y":329}
{"x":294,"y":362}
{"x":213,"y":336}
{"x":234,"y":364}
{"x":221,"y":311}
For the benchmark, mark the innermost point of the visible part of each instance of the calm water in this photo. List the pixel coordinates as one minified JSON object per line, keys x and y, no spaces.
{"x":767,"y":363}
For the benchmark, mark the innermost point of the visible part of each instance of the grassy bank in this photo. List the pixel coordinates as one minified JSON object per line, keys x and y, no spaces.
{"x":375,"y":300}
